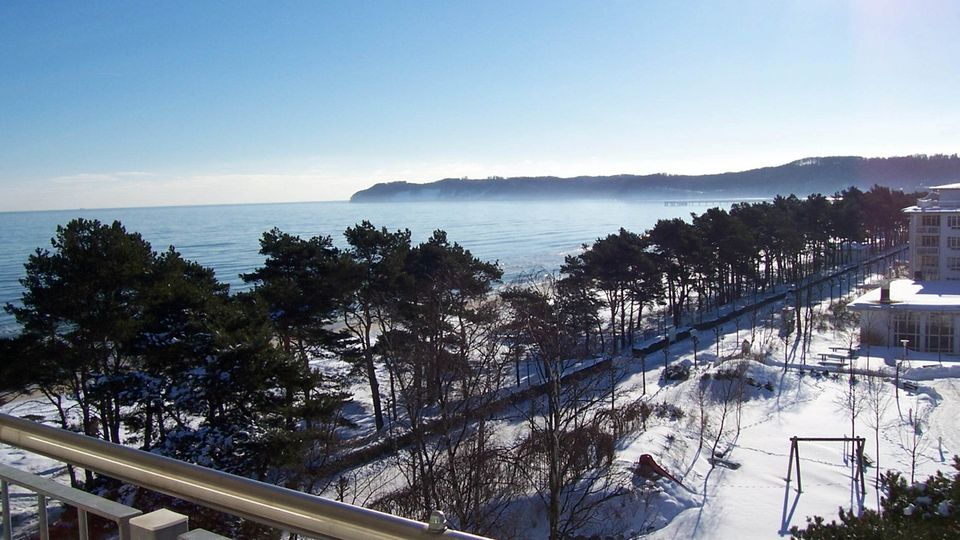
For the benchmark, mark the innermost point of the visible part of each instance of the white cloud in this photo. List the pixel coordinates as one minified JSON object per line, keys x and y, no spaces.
{"x":100,"y":178}
{"x":123,"y":189}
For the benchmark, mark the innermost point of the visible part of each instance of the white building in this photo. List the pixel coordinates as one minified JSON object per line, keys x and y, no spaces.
{"x":935,"y":235}
{"x":924,"y":311}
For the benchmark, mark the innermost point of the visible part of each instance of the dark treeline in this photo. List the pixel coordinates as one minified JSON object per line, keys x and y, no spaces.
{"x":719,"y":257}
{"x":144,"y":348}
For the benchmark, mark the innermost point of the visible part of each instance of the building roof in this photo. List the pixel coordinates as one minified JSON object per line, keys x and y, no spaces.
{"x":944,"y":198}
{"x":933,"y":206}
{"x":914,"y":295}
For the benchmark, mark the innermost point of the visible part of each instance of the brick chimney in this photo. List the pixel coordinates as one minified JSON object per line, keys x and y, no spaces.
{"x":885,"y":292}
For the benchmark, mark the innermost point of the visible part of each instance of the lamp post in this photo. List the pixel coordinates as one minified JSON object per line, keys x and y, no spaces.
{"x":896,"y":382}
{"x":643,"y":372}
{"x":940,"y":319}
{"x":695,"y":338}
{"x":716,"y":333}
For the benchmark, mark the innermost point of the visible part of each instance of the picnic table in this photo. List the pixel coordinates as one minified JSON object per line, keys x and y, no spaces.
{"x":832,"y":359}
{"x":829,"y":363}
{"x":850,"y":352}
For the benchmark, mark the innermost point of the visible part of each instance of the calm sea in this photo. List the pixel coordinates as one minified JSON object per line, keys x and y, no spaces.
{"x":522,"y":236}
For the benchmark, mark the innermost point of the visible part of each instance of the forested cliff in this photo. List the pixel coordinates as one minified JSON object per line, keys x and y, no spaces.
{"x":825,"y":175}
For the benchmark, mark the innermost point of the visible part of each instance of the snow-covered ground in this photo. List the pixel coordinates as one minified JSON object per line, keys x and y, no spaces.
{"x":806,"y":399}
{"x":23,"y":503}
{"x":752,"y":500}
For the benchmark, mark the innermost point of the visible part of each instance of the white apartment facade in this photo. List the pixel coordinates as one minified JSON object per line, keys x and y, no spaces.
{"x":935,"y":235}
{"x":923,"y":312}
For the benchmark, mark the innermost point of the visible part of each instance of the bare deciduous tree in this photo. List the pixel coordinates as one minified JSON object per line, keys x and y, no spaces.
{"x":877,"y":402}
{"x":727,"y":392}
{"x":913,"y":436}
{"x":568,"y":453}
{"x":854,"y":401}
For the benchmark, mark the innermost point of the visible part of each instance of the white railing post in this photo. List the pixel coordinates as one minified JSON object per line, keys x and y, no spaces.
{"x":5,"y":496}
{"x":124,"y":527}
{"x":158,"y":525}
{"x":82,"y":524}
{"x":42,"y":516}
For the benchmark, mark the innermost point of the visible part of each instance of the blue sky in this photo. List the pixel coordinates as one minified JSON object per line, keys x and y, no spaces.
{"x":106,"y":104}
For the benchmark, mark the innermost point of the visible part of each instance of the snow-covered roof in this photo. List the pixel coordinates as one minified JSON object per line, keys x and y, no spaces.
{"x":933,"y":206}
{"x":914,"y":295}
{"x":943,"y":198}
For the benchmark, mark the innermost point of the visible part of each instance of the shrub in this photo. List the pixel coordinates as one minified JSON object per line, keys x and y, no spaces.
{"x":676,"y":372}
{"x":925,"y":510}
{"x":668,"y":410}
{"x":730,"y":373}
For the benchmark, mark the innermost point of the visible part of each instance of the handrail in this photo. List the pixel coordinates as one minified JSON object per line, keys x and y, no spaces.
{"x":264,"y":503}
{"x":81,"y":500}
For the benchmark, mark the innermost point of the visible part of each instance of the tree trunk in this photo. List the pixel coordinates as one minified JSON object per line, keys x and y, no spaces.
{"x":374,"y":389}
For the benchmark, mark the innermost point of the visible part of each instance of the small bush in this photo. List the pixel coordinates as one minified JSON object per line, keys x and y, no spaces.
{"x":676,"y":372}
{"x":729,"y":374}
{"x":631,"y":417}
{"x":668,"y":410}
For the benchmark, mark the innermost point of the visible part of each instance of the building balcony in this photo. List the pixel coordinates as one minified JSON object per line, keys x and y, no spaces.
{"x":284,"y":509}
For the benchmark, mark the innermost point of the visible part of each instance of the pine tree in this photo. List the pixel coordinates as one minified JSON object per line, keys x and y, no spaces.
{"x":927,"y":510}
{"x":377,"y":258}
{"x":81,"y":313}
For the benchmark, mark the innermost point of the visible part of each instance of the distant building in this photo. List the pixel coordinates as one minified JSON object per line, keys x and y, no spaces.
{"x":924,"y":311}
{"x":935,"y":235}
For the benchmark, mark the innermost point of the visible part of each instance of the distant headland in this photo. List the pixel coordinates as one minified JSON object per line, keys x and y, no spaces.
{"x":825,"y":175}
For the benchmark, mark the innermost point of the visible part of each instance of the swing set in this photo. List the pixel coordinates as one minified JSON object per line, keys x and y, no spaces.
{"x":859,"y":443}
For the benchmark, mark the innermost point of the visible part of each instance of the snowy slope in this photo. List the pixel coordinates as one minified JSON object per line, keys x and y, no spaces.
{"x":752,"y":501}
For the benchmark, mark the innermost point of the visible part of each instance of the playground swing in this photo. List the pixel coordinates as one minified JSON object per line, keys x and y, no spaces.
{"x":795,"y":457}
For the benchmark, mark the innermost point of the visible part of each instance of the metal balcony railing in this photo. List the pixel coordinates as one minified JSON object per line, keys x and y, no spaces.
{"x":48,"y":489}
{"x":285,"y":509}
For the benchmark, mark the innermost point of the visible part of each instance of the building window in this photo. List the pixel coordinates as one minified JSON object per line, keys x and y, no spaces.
{"x":953,"y":242}
{"x":953,"y":264}
{"x":930,"y":221}
{"x":906,"y":327}
{"x":929,"y":260}
{"x":939,"y":333}
{"x":929,"y":241}
{"x":953,"y":222}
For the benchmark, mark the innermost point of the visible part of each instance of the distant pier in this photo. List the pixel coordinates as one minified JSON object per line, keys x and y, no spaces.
{"x":713,"y":202}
